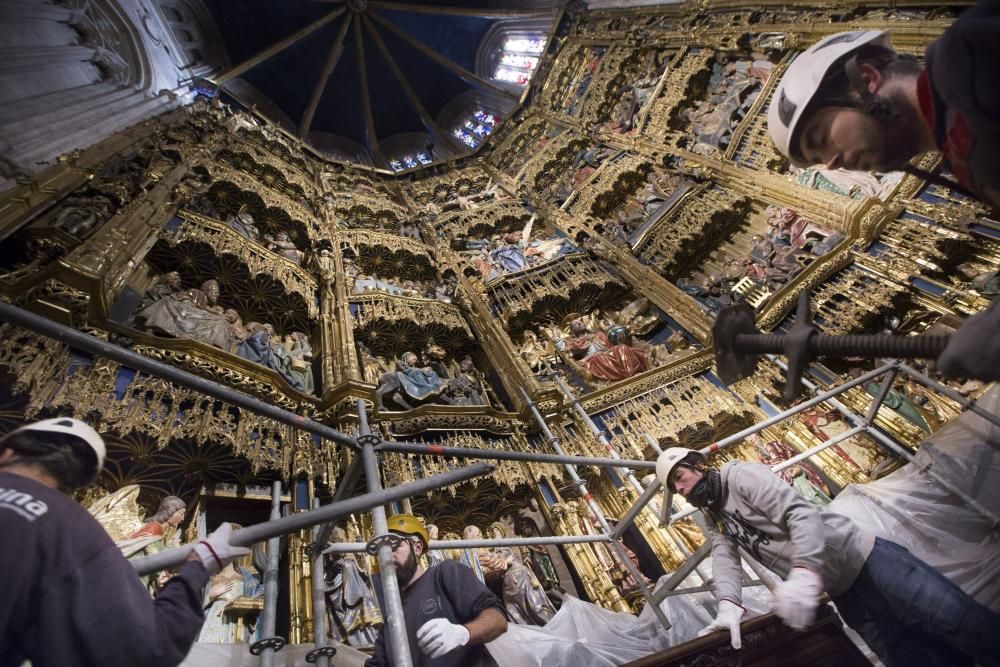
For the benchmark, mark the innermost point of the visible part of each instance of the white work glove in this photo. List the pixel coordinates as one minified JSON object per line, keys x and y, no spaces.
{"x":797,"y":597}
{"x":439,"y":636}
{"x":728,"y":618}
{"x":215,"y":551}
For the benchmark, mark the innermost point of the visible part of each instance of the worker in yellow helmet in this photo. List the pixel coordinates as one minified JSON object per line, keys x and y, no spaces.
{"x":449,"y":613}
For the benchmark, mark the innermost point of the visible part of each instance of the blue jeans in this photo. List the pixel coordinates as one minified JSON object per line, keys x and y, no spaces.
{"x":910,"y":614}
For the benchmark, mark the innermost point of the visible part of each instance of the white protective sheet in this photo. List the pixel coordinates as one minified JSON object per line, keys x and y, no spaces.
{"x":582,"y":633}
{"x":911,"y":509}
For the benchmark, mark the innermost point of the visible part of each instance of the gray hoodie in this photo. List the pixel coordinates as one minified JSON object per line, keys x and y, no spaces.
{"x":782,"y":530}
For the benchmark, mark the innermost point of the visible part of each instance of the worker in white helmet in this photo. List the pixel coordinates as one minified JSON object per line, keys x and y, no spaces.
{"x":69,"y":596}
{"x":850,"y":101}
{"x":907,"y":612}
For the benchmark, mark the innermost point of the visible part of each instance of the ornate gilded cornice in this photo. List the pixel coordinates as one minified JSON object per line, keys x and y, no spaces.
{"x":393,"y":308}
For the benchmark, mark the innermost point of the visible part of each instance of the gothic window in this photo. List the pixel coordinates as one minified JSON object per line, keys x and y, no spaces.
{"x":474,"y":128}
{"x":409,"y":161}
{"x":518,"y":59}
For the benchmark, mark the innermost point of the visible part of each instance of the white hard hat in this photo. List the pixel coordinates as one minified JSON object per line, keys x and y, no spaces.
{"x":803,"y":79}
{"x":70,"y":427}
{"x":665,"y":465}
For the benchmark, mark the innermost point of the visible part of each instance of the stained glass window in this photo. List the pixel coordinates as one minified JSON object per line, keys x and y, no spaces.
{"x":473,"y":129}
{"x":519,"y":59}
{"x":466,"y":138}
{"x":396,"y":165}
{"x":422,"y":158}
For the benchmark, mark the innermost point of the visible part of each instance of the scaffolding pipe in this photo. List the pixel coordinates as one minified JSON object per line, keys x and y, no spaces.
{"x":356,"y":547}
{"x":319,"y":598}
{"x":505,"y":455}
{"x":598,"y":434}
{"x":101,"y":348}
{"x":640,"y":580}
{"x":394,"y":620}
{"x":642,"y":500}
{"x":269,"y":613}
{"x":251,"y":535}
{"x":892,"y":446}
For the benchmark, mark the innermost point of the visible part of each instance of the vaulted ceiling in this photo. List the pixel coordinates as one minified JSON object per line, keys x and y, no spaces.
{"x":364,"y":71}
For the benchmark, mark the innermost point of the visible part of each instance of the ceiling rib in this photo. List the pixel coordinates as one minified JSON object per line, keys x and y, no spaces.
{"x":328,"y":67}
{"x":365,"y":96}
{"x":459,"y":71}
{"x":429,"y":123}
{"x":485,"y":12}
{"x":277,"y":47}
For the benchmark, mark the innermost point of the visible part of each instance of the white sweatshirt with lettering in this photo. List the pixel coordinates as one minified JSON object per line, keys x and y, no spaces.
{"x":782,"y":530}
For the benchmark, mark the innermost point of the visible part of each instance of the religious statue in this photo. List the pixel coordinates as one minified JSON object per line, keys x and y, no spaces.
{"x":733,"y":87}
{"x":242,"y":223}
{"x":233,"y":595}
{"x":434,"y":556}
{"x":523,"y":595}
{"x":537,"y":354}
{"x":194,"y":314}
{"x":80,"y":213}
{"x":262,"y":346}
{"x":608,"y":357}
{"x":467,"y":387}
{"x":351,"y":607}
{"x":159,"y":532}
{"x":281,"y":245}
{"x":372,"y":367}
{"x":409,"y":380}
{"x":300,"y":366}
{"x":980,"y":279}
{"x":826,"y":424}
{"x":536,"y":556}
{"x":168,"y":284}
{"x":470,"y":556}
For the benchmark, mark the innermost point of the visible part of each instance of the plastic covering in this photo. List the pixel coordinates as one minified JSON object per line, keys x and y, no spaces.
{"x":582,"y":633}
{"x":911,"y":509}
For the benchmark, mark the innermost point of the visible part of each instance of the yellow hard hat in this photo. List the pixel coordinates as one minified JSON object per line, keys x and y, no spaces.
{"x":407,"y":524}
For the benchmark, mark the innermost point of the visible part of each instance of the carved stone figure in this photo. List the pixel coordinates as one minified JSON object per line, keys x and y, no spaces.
{"x":470,"y":557}
{"x":803,"y":477}
{"x":538,"y":355}
{"x":523,"y":595}
{"x":603,"y":358}
{"x":193,"y":314}
{"x":352,"y":609}
{"x":168,"y":284}
{"x":467,"y":387}
{"x":79,"y":214}
{"x":300,"y":368}
{"x":159,"y":532}
{"x":243,"y":224}
{"x":282,"y":245}
{"x":434,"y":556}
{"x":409,"y":380}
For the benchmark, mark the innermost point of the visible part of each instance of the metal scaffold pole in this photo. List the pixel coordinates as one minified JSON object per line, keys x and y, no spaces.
{"x":640,"y":580}
{"x":626,"y":521}
{"x":395,"y":621}
{"x":322,"y":653}
{"x":251,"y":535}
{"x":269,"y":614}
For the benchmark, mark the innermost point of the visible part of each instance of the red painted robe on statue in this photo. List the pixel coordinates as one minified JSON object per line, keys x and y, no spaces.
{"x":608,"y":362}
